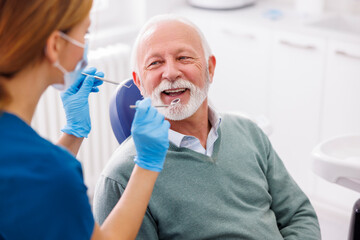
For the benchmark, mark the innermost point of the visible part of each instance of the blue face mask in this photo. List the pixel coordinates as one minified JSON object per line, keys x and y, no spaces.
{"x":70,"y":77}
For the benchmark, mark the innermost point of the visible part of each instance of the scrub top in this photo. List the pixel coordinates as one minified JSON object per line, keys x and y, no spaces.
{"x":42,"y":192}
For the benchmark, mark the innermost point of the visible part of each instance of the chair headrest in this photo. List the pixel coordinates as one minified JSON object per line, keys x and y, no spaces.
{"x":121,"y":115}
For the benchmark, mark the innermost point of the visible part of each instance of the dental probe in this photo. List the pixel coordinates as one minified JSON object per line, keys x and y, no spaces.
{"x":100,"y":78}
{"x":173,"y":102}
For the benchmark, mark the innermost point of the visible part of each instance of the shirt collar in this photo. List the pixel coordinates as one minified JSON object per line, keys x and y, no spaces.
{"x":214,"y":118}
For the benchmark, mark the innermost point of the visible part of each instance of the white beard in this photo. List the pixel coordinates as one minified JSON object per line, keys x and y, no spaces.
{"x":179,"y":111}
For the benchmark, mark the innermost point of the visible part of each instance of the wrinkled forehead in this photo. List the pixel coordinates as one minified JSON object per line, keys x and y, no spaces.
{"x":167,"y":32}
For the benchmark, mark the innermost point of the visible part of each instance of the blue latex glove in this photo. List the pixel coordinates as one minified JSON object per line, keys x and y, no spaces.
{"x":76,"y":104}
{"x":150,"y":132}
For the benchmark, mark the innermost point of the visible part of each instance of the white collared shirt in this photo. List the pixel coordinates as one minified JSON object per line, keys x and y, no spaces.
{"x":191,"y":142}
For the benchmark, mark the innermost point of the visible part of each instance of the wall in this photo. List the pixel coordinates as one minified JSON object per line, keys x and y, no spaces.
{"x":337,"y":6}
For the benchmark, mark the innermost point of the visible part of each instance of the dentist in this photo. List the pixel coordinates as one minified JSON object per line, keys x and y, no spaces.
{"x":42,"y":192}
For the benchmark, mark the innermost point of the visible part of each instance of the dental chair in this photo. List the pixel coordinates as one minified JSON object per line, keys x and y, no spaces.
{"x":121,"y":115}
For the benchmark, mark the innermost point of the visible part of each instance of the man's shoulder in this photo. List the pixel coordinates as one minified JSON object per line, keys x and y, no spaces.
{"x":231,"y":118}
{"x":121,"y":163}
{"x":238,"y":123}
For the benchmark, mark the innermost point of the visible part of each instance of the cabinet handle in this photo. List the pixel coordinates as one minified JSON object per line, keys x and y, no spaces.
{"x":233,"y":34}
{"x":345,"y":54}
{"x":294,"y":45}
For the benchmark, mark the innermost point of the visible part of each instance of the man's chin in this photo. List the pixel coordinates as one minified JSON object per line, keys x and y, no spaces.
{"x":175,"y":118}
{"x":178,"y":114}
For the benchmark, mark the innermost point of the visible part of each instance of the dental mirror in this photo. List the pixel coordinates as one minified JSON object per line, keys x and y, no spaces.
{"x":173,"y":102}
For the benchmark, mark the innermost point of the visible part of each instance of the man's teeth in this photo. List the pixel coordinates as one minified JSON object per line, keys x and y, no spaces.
{"x":175,"y":90}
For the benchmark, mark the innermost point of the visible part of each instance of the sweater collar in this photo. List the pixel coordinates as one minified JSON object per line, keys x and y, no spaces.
{"x":181,"y":140}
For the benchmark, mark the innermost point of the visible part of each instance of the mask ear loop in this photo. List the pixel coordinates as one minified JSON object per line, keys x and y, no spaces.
{"x":61,"y":68}
{"x":73,"y":41}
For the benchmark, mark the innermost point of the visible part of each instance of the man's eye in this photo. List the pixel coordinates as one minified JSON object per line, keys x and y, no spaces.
{"x":184,"y":58}
{"x":154,"y":63}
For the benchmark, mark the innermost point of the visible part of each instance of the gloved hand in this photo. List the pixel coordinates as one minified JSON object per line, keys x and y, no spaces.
{"x":150,"y":132}
{"x":76,"y":104}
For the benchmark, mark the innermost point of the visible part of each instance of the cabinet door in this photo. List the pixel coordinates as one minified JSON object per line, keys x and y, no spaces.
{"x":295,"y":97}
{"x":342,"y":90}
{"x":241,"y":79}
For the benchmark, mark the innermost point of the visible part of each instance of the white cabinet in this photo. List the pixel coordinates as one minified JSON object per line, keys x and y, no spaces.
{"x":341,"y":113}
{"x":295,"y":100}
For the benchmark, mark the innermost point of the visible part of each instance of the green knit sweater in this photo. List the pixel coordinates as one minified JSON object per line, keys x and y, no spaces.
{"x":242,"y":192}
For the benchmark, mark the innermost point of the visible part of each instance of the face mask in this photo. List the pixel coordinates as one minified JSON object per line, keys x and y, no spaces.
{"x":70,"y":77}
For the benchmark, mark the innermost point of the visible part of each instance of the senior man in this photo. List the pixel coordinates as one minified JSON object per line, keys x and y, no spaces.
{"x":221,"y":179}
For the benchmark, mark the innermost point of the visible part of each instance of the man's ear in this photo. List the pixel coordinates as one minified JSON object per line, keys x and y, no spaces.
{"x":52,"y":47}
{"x":137,"y":81}
{"x":212,"y":65}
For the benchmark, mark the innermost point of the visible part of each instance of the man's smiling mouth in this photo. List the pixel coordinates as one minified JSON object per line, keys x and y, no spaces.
{"x":174,"y":92}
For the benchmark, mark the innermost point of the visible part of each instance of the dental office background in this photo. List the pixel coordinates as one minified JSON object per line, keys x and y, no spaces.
{"x":291,"y":65}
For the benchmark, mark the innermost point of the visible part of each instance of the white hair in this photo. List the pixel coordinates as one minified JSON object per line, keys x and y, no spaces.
{"x":161,"y":19}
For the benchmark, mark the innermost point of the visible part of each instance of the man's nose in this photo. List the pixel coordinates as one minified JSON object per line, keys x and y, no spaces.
{"x":171,"y":71}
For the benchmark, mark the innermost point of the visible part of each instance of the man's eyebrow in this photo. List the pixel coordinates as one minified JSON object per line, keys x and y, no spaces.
{"x":178,"y":51}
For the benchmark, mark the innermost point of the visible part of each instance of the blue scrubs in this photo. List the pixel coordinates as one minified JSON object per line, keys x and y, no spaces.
{"x":42,"y":192}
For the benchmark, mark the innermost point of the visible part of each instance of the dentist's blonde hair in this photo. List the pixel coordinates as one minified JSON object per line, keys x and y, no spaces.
{"x":25,"y":27}
{"x":162,"y":19}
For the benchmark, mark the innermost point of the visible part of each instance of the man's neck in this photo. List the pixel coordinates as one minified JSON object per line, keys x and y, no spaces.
{"x":197,"y":125}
